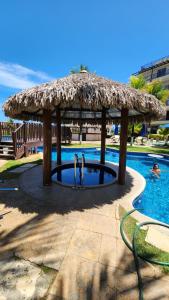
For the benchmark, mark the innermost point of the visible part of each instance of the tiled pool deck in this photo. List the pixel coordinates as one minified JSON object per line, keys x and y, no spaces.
{"x":63,"y":243}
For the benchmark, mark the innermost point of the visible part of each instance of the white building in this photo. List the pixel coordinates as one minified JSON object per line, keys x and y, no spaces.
{"x":157,"y":70}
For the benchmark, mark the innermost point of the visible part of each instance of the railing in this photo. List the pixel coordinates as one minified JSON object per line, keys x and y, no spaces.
{"x":18,"y":137}
{"x":155,"y":62}
{"x":156,"y":75}
{"x":6,"y":129}
{"x":33,"y":132}
{"x":27,"y":135}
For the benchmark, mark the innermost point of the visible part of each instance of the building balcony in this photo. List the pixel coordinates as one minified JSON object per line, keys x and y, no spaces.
{"x":157,"y":75}
{"x":155,"y":63}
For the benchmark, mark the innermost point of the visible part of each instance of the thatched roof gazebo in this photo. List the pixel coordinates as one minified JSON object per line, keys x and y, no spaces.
{"x":83,"y":98}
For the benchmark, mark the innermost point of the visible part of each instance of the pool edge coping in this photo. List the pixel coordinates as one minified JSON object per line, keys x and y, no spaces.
{"x":127,"y":204}
{"x":95,"y":162}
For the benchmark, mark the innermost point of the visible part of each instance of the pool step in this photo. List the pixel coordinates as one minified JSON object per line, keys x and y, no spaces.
{"x":7,"y":156}
{"x":6,"y":150}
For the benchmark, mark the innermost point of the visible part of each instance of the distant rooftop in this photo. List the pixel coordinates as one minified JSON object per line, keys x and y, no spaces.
{"x":156,"y":62}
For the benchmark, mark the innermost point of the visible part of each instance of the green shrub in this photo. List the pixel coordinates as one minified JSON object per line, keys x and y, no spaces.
{"x":157,"y":137}
{"x":163,"y":131}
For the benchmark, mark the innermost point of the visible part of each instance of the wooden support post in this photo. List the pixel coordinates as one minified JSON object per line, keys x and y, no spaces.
{"x":58,"y":136}
{"x":47,"y":147}
{"x":14,"y":143}
{"x":103,"y":136}
{"x":123,"y":146}
{"x":80,"y":128}
{"x":25,"y":139}
{"x":80,"y":134}
{"x":0,"y":131}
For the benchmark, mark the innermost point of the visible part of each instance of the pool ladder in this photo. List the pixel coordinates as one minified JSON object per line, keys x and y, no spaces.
{"x":79,"y":164}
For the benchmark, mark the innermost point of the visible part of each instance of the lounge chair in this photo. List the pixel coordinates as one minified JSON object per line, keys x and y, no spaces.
{"x":115,"y":138}
{"x":140,"y":140}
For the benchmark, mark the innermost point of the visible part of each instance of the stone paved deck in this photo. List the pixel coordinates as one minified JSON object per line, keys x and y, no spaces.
{"x":60,"y":243}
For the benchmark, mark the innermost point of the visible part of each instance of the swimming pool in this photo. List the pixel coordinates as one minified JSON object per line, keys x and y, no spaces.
{"x":154,"y":201}
{"x":92,"y":175}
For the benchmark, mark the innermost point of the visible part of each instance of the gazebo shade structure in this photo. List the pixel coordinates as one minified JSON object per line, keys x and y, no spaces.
{"x":83,"y":98}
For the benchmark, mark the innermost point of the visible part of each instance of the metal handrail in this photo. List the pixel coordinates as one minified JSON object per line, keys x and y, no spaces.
{"x":83,"y":163}
{"x":75,"y":166}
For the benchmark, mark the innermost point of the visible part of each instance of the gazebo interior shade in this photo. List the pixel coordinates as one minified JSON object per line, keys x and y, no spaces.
{"x":81,"y":98}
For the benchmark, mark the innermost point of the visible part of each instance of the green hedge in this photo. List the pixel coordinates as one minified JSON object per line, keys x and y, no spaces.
{"x":156,"y":136}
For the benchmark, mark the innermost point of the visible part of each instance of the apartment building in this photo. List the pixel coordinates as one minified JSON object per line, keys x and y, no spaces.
{"x":158,"y":70}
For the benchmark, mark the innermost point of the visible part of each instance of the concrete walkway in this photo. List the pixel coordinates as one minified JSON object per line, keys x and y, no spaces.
{"x":65,"y":244}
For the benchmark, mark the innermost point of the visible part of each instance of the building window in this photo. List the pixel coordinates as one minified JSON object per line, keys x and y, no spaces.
{"x":161,"y":72}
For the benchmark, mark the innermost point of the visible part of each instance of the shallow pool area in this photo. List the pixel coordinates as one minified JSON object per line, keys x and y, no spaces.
{"x":154,"y":201}
{"x":91,"y":175}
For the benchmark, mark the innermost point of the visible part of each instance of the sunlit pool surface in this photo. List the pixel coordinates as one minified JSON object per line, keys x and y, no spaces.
{"x":89,"y":176}
{"x":154,"y":201}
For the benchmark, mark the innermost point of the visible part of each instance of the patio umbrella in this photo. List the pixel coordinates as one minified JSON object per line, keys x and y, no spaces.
{"x":143,"y":131}
{"x":116,"y":130}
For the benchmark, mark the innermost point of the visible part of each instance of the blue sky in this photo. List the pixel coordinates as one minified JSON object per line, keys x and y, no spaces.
{"x":44,"y":39}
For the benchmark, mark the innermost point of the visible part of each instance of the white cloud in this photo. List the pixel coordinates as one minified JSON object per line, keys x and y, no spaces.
{"x":19,"y":77}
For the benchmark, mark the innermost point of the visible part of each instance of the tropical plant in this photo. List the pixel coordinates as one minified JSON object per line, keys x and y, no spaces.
{"x":154,"y":87}
{"x":157,"y":89}
{"x":10,"y":123}
{"x":137,"y":82}
{"x":163,"y":131}
{"x":134,"y":130}
{"x":156,"y":136}
{"x":79,"y":69}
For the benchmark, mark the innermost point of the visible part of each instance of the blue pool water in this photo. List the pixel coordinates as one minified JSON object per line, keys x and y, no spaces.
{"x":92,"y":176}
{"x":154,"y":201}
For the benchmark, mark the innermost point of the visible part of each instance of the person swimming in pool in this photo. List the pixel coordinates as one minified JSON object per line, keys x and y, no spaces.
{"x":156,"y":170}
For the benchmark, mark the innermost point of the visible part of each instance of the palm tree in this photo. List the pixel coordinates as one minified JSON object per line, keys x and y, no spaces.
{"x":137,"y":82}
{"x":154,"y":87}
{"x":157,"y":89}
{"x":79,"y":69}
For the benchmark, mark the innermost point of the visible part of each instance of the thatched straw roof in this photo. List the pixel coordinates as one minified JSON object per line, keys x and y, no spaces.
{"x":81,"y":97}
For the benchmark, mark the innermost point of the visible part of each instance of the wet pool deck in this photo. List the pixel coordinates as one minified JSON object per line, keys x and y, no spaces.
{"x":63,"y":243}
